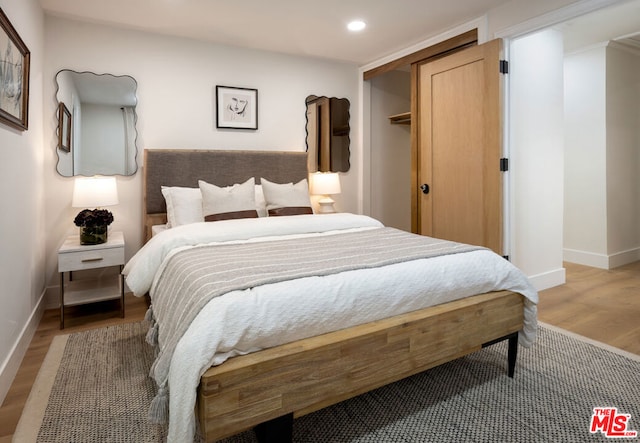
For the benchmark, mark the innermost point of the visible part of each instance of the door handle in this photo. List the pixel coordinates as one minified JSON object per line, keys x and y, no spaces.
{"x":425,"y":188}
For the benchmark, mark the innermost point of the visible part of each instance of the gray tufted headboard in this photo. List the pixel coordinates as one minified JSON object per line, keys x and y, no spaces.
{"x":178,"y":167}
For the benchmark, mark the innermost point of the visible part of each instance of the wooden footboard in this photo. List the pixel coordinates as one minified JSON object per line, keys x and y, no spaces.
{"x":310,"y":374}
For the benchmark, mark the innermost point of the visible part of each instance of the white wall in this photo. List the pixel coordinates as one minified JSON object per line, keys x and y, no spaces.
{"x":22,"y":218}
{"x":537,"y":156}
{"x":176,"y":107}
{"x":585,"y":223}
{"x":623,"y":155}
{"x":602,"y":196}
{"x":390,"y":168}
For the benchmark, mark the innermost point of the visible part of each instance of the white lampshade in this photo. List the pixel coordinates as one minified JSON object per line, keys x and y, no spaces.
{"x":94,"y":192}
{"x":325,"y":183}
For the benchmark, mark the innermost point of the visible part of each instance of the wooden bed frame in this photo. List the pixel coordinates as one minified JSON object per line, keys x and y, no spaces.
{"x":268,"y":389}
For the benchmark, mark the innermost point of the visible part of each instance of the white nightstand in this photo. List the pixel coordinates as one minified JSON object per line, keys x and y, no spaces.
{"x":72,"y":256}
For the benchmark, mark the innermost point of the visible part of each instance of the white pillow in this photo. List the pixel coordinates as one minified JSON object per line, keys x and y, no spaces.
{"x":261,"y":204}
{"x":287,"y":198}
{"x":184,"y":205}
{"x":231,"y":202}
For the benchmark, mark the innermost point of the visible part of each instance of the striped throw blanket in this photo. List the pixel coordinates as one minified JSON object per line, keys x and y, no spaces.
{"x":194,"y":276}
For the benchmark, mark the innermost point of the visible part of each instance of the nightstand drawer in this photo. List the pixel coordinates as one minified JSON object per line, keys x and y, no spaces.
{"x":90,"y":259}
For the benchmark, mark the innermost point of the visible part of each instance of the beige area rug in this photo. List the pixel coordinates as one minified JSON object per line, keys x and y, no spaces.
{"x":93,"y":387}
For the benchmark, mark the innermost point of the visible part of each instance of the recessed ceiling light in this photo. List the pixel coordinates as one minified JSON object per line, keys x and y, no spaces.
{"x":356,"y":25}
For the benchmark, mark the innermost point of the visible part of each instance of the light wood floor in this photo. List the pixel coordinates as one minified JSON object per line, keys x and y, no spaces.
{"x":601,"y":305}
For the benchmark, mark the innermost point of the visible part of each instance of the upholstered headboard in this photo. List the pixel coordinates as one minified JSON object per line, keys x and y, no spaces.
{"x":178,"y":167}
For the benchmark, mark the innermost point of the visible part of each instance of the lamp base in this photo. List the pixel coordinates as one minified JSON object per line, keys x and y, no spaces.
{"x":326,"y":205}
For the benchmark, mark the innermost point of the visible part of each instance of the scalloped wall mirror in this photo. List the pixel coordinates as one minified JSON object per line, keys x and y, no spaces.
{"x":328,"y":134}
{"x":97,"y":136}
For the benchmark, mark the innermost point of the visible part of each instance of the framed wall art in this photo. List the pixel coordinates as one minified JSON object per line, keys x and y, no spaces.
{"x":237,"y":108}
{"x":64,"y":128}
{"x":14,"y":76}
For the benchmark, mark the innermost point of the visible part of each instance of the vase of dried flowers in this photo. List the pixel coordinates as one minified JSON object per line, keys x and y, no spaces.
{"x":93,"y":225}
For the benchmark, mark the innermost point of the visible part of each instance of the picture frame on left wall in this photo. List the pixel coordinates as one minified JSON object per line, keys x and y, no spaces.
{"x":15,"y":58}
{"x":237,"y":108}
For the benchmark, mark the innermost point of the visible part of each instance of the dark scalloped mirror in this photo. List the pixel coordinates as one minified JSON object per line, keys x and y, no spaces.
{"x":100,"y":125}
{"x":328,"y":134}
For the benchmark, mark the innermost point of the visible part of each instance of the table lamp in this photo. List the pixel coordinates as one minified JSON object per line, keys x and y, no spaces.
{"x":325,"y":184}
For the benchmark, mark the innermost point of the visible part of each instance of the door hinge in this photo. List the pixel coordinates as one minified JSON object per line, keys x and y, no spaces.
{"x":504,"y":164}
{"x":504,"y":67}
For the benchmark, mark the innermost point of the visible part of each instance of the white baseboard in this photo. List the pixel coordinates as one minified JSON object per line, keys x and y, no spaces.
{"x":585,"y":258}
{"x":548,"y":279}
{"x":624,"y":258}
{"x":10,"y":366}
{"x":601,"y":261}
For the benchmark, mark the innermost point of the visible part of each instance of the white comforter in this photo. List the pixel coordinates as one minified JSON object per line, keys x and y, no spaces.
{"x":245,"y":321}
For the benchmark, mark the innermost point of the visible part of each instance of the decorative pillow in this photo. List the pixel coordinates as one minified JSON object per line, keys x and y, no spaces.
{"x":231,"y":202}
{"x":184,"y":205}
{"x":261,"y":204}
{"x":287,"y":198}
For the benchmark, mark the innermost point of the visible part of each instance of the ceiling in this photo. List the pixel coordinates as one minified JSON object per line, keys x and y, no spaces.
{"x":317,"y":28}
{"x":620,"y":22}
{"x":314,"y":28}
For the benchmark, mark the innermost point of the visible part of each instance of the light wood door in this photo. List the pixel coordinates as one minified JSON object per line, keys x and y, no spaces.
{"x":458,"y":146}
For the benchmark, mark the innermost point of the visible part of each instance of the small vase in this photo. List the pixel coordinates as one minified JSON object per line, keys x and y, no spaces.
{"x":93,"y":235}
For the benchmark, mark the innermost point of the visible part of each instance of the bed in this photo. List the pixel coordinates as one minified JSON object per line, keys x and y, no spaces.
{"x":264,"y":374}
